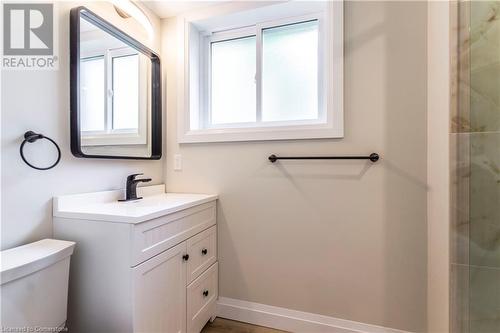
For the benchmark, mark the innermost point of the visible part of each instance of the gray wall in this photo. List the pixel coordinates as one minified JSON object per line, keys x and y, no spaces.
{"x":39,"y":101}
{"x":344,"y":239}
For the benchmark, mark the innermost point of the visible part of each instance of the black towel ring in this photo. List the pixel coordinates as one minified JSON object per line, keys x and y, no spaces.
{"x":31,"y":137}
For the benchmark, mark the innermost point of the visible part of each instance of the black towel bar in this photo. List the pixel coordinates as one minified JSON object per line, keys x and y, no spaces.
{"x":374,"y":157}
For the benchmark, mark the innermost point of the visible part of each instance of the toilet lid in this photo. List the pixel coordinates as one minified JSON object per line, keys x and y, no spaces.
{"x":23,"y":260}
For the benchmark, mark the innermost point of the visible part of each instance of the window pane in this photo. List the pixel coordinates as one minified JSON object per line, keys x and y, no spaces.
{"x":92,"y":94}
{"x":290,"y":72}
{"x":126,"y":92}
{"x":233,"y":81}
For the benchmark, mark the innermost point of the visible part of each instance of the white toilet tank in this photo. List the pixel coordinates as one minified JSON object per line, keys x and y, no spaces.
{"x":34,"y":286}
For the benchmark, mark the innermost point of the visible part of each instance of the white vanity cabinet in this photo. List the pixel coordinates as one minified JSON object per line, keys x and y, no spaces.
{"x":146,"y":266}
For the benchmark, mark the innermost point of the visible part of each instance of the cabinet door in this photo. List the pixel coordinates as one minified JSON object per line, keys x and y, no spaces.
{"x":160,"y":293}
{"x":201,"y":299}
{"x":202,"y":250}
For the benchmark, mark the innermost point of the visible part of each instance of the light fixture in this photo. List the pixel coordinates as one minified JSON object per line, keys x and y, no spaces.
{"x":127,"y":8}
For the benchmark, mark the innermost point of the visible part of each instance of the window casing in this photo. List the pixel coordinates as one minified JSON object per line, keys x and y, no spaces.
{"x":263,"y":113}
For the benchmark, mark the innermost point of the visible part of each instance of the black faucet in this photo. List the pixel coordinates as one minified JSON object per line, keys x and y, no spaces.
{"x":131,"y":189}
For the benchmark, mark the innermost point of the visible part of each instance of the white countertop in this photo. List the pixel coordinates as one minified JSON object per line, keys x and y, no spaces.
{"x":104,"y":206}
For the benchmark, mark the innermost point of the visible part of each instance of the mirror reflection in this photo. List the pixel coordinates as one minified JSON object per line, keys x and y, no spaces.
{"x":114,"y":89}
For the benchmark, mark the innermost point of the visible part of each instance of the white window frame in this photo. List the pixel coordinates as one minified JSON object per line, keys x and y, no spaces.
{"x":193,"y":98}
{"x":110,"y":136}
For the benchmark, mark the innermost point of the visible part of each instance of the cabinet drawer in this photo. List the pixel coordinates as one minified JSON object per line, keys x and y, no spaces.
{"x":202,"y":250}
{"x":155,"y":236}
{"x":201,"y":299}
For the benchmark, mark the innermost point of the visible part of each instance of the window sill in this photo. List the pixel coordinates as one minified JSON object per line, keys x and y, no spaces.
{"x":262,"y":134}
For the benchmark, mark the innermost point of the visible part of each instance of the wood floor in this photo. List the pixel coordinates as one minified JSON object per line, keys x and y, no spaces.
{"x":221,"y":325}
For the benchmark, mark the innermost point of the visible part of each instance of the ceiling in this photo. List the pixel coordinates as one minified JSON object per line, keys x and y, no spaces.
{"x":164,"y":9}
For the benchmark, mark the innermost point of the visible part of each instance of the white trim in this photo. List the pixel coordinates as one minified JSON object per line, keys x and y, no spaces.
{"x":258,"y":74}
{"x":228,"y":35}
{"x":292,"y":320}
{"x":332,"y":55}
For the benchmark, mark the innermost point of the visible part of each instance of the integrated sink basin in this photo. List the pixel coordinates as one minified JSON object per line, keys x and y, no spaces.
{"x":104,"y":206}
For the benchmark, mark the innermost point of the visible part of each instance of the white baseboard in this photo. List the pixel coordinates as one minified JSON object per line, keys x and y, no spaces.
{"x":291,"y":320}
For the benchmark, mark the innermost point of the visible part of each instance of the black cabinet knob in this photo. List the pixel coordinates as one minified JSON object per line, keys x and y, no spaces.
{"x":205,"y":293}
{"x":185,"y":257}
{"x":204,"y":251}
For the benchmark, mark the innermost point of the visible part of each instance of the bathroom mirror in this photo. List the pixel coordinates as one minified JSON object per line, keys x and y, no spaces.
{"x":115,"y":92}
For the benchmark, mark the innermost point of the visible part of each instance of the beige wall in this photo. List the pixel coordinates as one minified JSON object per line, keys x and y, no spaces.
{"x":346,"y":238}
{"x":438,"y":165}
{"x":39,"y":101}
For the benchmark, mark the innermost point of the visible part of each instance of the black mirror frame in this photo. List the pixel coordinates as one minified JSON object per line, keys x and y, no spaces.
{"x":156,"y":117}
